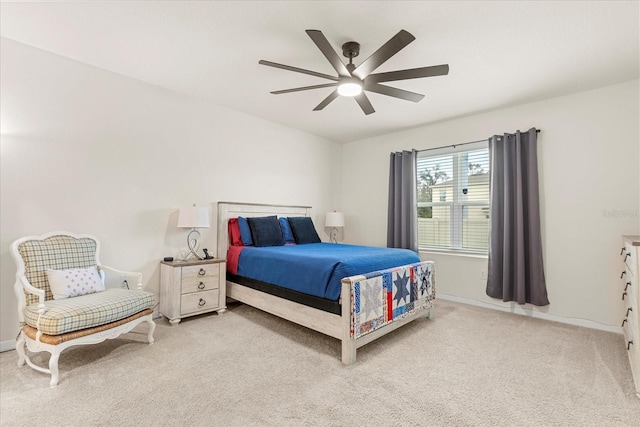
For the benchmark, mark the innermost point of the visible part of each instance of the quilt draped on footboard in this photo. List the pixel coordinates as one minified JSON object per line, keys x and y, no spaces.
{"x":380,"y":297}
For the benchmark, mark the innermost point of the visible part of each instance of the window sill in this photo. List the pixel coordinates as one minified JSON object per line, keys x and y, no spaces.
{"x":454,"y":253}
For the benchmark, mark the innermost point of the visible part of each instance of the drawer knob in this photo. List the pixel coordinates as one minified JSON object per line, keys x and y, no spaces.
{"x":627,"y":285}
{"x":202,"y":272}
{"x":623,"y":273}
{"x":623,"y":322}
{"x":202,"y":302}
{"x":201,"y":286}
{"x":629,"y":344}
{"x":624,"y":294}
{"x":625,"y":257}
{"x":628,"y":310}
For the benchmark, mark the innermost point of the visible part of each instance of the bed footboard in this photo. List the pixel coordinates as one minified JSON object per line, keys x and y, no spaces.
{"x":379,"y":302}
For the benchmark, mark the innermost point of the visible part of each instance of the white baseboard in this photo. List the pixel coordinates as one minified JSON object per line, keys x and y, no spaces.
{"x":7,"y":345}
{"x":517,"y":309}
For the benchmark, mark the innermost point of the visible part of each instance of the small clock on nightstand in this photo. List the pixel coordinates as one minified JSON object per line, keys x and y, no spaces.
{"x":188,"y":288}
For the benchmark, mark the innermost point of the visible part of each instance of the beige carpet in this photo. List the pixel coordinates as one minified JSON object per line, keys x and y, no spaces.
{"x":468,"y":367}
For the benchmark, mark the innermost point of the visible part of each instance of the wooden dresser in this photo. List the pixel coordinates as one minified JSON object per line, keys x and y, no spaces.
{"x":631,"y":296}
{"x":192,"y":287}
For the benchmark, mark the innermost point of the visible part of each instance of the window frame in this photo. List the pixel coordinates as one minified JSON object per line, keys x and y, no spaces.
{"x":456,"y":207}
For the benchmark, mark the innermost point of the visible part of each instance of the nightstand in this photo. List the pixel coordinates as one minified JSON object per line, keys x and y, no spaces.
{"x":188,"y":288}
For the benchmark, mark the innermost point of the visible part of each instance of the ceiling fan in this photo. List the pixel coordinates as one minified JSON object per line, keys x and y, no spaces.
{"x":353,"y":80}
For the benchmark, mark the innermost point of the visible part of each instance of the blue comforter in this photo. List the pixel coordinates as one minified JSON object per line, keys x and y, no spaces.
{"x":317,"y":268}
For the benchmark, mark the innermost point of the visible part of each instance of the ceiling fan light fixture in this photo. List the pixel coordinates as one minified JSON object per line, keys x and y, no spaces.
{"x":350,"y":86}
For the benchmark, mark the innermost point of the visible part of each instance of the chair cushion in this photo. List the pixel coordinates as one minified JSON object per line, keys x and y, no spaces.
{"x":86,"y":311}
{"x":59,"y":339}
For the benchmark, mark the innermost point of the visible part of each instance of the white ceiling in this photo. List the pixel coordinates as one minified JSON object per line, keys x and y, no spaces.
{"x":500,"y":53}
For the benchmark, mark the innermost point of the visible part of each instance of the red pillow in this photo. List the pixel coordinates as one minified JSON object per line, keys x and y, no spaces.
{"x":234,"y":232}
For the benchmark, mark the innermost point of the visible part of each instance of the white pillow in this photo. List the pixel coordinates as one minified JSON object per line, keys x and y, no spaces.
{"x":74,"y":282}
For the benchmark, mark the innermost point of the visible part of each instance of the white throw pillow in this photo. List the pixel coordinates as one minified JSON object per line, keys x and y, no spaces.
{"x":74,"y":282}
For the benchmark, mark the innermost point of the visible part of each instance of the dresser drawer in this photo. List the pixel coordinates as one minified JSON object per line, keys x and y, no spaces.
{"x":630,"y":257}
{"x":195,"y":284}
{"x":200,"y":271}
{"x":199,"y":301}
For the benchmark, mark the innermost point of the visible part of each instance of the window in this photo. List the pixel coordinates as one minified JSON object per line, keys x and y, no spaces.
{"x":453,"y":198}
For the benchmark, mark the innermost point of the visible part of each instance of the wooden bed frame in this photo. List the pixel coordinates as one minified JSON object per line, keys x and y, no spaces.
{"x":336,"y":326}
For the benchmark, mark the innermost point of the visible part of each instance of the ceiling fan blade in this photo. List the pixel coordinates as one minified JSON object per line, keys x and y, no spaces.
{"x":323,"y":44}
{"x":390,"y":48}
{"x":297,"y":70}
{"x":413,"y":73}
{"x":333,"y":95}
{"x":364,"y":103}
{"x":298,"y":89}
{"x":392,"y":91}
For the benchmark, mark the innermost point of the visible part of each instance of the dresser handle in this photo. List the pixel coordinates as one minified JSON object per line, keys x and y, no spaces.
{"x":629,"y":344}
{"x":201,"y":302}
{"x":624,"y":294}
{"x":627,"y":285}
{"x":623,"y":322}
{"x":622,"y":251}
{"x":628,"y":310}
{"x":623,"y":273}
{"x":201,"y":286}
{"x":202,"y":272}
{"x":625,"y":257}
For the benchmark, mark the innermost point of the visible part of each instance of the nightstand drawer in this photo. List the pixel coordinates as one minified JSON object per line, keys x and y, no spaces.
{"x":195,"y":284}
{"x":200,"y":271}
{"x":199,"y":301}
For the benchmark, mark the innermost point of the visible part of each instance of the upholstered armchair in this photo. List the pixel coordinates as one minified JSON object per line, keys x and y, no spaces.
{"x":62,"y":300}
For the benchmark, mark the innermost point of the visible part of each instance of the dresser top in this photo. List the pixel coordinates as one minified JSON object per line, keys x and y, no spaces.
{"x":634,"y":240}
{"x":192,"y":262}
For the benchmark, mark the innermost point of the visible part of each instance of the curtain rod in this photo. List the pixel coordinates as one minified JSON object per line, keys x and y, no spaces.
{"x":464,"y":143}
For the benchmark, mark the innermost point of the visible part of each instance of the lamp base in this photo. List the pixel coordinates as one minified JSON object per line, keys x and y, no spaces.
{"x":193,"y":242}
{"x":334,"y":235}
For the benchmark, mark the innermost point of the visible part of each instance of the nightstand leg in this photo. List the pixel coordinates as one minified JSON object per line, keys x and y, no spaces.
{"x":221,"y":311}
{"x":174,"y":322}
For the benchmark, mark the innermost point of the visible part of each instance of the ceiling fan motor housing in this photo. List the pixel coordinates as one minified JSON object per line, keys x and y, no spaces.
{"x":351,"y":49}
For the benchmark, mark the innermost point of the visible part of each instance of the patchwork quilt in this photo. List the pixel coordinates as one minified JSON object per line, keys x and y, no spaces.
{"x":381,"y":297}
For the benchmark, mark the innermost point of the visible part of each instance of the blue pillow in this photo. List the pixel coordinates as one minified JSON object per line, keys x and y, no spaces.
{"x":303,"y":230}
{"x":266,"y":231}
{"x":286,"y":230}
{"x":245,"y":231}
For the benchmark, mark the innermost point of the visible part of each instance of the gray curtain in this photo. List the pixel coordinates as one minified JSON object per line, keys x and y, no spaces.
{"x":516,"y":272}
{"x":402,"y":219}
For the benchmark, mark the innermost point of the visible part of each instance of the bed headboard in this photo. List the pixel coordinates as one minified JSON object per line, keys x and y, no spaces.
{"x":228,"y":210}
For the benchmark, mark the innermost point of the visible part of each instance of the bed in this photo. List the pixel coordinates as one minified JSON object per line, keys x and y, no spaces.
{"x":368,"y":304}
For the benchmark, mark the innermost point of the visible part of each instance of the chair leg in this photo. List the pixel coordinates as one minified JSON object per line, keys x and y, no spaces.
{"x":53,"y":367}
{"x":152,"y":328}
{"x":20,"y":344}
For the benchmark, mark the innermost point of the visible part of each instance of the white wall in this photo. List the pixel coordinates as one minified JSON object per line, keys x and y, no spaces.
{"x":89,"y":151}
{"x":588,"y":163}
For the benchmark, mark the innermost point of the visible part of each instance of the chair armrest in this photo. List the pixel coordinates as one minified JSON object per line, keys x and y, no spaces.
{"x":32,"y":289}
{"x":124,"y":273}
{"x":22,"y":285}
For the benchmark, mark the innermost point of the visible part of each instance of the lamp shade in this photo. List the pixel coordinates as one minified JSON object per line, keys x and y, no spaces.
{"x":193,"y":217}
{"x":334,"y":219}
